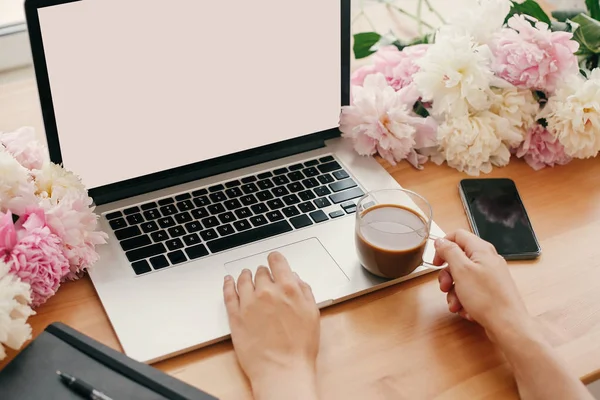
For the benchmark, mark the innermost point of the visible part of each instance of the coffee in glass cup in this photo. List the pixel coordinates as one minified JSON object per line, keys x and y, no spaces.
{"x":393,"y":227}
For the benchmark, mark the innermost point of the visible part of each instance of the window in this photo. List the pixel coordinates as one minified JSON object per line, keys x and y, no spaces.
{"x":14,"y":42}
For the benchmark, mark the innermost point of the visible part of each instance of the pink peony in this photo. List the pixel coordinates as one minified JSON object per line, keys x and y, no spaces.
{"x":33,"y":253}
{"x":533,"y":57}
{"x":381,"y":120}
{"x":74,"y":221}
{"x":397,"y":66}
{"x":540,"y":148}
{"x":24,"y":147}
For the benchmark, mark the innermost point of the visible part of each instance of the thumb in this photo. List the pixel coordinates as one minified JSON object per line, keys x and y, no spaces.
{"x":451,"y":253}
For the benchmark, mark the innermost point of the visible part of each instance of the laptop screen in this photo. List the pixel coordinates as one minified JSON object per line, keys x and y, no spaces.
{"x":143,"y":86}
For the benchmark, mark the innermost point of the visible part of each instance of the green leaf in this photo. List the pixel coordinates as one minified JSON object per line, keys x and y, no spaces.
{"x":564,"y":15}
{"x":420,"y":40}
{"x":588,"y":34}
{"x":363,"y":42}
{"x":593,"y":7}
{"x":420,"y":109}
{"x":528,"y":7}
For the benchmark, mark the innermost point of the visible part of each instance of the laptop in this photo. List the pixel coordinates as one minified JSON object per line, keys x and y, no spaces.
{"x":207,"y":136}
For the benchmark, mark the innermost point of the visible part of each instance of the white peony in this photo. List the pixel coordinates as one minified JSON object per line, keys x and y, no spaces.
{"x":471,"y":144}
{"x":25,"y":147}
{"x":455,"y":75}
{"x":15,"y":296}
{"x":573,"y":115}
{"x":480,"y":19}
{"x":55,"y":182}
{"x":519,"y":108}
{"x":16,"y":186}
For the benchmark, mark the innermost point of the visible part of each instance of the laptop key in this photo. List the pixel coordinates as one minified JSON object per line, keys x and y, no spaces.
{"x":141,"y":267}
{"x":135,"y":219}
{"x":216,"y":208}
{"x":128,"y":232}
{"x":232,"y":184}
{"x":145,"y":252}
{"x":118,"y":223}
{"x":291,"y":199}
{"x":310,"y":183}
{"x":341,"y":174}
{"x":243,"y":213}
{"x":310,"y":172}
{"x":318,"y":216}
{"x":311,"y":163}
{"x":329,"y":167}
{"x":280,"y":171}
{"x":248,"y":179}
{"x":166,"y":222}
{"x":159,"y":236}
{"x":322,"y":202}
{"x":248,"y":200}
{"x":326,"y":159}
{"x":348,"y":204}
{"x":201,"y":201}
{"x":192,"y":239}
{"x":350,"y":210}
{"x":174,"y":244}
{"x":199,"y":192}
{"x":242,"y":225}
{"x":159,"y":262}
{"x":193,"y":226}
{"x":134,"y":243}
{"x":149,"y":206}
{"x":185,"y":205}
{"x":177,"y":257}
{"x":322,"y":191}
{"x":167,"y":201}
{"x":148,"y":227}
{"x":264,"y":195}
{"x":152,"y":214}
{"x":183,"y":217}
{"x":131,"y":210}
{"x":281,"y":180}
{"x":209,"y":234}
{"x":290,"y":211}
{"x":307,"y":195}
{"x":342,"y":185}
{"x":341,"y":197}
{"x":196,"y":251}
{"x":258,"y":220}
{"x":210,"y":222}
{"x":301,"y":221}
{"x":227,"y":217}
{"x":183,"y":196}
{"x":114,"y":215}
{"x":225,"y":230}
{"x":176,"y":231}
{"x":336,"y":214}
{"x":265,"y":184}
{"x":169,"y":210}
{"x":250,"y":188}
{"x":264,"y":175}
{"x":275,"y":204}
{"x":259,"y":208}
{"x":306,"y":207}
{"x":249,"y":236}
{"x":280,"y":191}
{"x":274,"y":216}
{"x":216,"y":188}
{"x":325,"y":179}
{"x":295,"y":176}
{"x":232,"y":204}
{"x":217,"y":197}
{"x":234,"y":192}
{"x":295,"y":187}
{"x":199,"y":213}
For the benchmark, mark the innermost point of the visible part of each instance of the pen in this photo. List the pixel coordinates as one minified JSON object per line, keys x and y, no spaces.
{"x":79,"y":386}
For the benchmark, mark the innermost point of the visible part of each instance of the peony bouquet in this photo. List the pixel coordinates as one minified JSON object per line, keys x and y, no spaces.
{"x":492,"y":83}
{"x":47,"y":231}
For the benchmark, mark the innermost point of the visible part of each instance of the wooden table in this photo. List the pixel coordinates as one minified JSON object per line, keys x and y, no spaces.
{"x":401,"y":342}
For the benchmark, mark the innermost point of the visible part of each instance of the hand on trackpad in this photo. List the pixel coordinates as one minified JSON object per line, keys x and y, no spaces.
{"x":308,"y":259}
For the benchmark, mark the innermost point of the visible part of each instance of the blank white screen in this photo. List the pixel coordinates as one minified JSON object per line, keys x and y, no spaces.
{"x":142,"y":86}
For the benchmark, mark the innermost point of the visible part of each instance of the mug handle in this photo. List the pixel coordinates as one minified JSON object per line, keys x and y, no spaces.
{"x":430,"y":265}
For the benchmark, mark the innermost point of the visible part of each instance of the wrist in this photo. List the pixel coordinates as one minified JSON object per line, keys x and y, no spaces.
{"x":294,"y":382}
{"x":516,"y":334}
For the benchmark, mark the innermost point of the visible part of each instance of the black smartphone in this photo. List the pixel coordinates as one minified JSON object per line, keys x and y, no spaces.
{"x":497,"y":214}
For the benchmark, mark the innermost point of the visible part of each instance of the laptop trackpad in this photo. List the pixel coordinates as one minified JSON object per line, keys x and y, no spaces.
{"x":308,"y":259}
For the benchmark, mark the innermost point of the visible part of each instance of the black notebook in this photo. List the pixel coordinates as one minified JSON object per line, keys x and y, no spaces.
{"x":32,"y":373}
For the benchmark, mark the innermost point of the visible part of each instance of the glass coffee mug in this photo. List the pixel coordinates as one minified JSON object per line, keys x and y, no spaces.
{"x":393,"y":227}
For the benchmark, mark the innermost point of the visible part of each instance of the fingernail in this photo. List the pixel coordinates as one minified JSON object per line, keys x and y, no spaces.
{"x":228,"y":278}
{"x":468,"y":317}
{"x":439,"y":242}
{"x":245,"y":270}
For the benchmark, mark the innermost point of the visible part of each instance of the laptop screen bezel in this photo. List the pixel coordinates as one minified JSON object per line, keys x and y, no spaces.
{"x":202,"y":169}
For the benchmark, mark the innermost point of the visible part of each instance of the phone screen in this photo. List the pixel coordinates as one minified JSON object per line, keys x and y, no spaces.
{"x":499,"y":217}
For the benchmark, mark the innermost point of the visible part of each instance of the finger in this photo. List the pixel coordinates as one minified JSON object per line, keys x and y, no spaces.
{"x":470,"y":242}
{"x":463,"y":313}
{"x":437,"y":259}
{"x":280,"y":268}
{"x":306,"y":289}
{"x":446,"y":280}
{"x":455,"y":257}
{"x":245,"y":287}
{"x":262,"y":277}
{"x":232,"y":300}
{"x":453,"y":303}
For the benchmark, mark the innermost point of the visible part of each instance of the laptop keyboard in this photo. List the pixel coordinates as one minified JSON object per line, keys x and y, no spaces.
{"x":195,"y":224}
